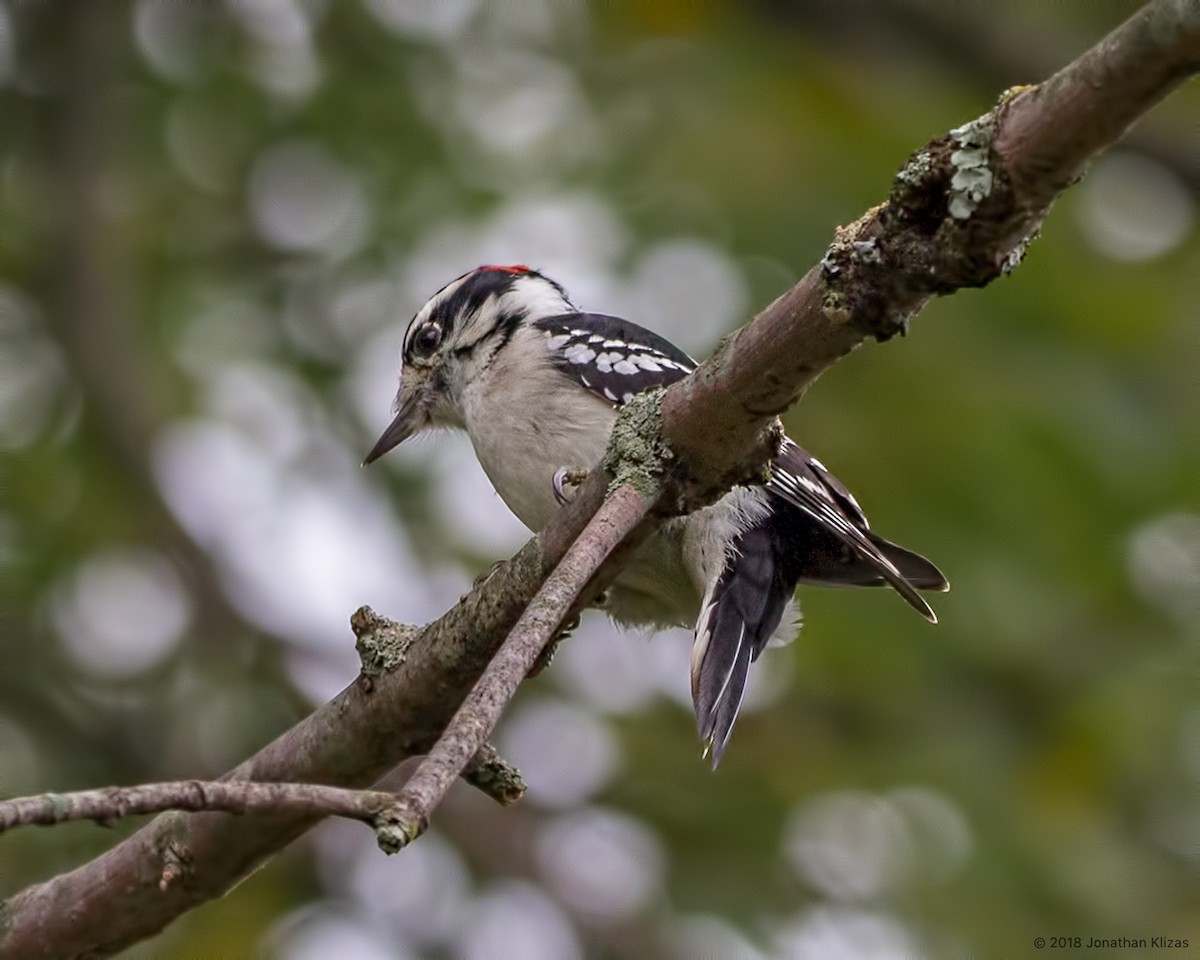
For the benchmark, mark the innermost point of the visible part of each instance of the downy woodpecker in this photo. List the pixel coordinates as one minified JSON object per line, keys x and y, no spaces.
{"x":503,"y":354}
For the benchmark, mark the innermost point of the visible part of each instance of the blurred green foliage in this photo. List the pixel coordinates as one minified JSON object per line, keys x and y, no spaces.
{"x":204,"y":204}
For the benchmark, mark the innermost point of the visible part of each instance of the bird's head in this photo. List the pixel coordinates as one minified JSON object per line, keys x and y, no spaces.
{"x":454,"y":336}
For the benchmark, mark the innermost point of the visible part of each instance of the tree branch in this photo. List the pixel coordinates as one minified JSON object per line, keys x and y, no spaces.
{"x":491,"y":774}
{"x":366,"y":730}
{"x":109,"y":804}
{"x":477,"y":717}
{"x":959,"y":214}
{"x":938,"y":232}
{"x":488,"y":772}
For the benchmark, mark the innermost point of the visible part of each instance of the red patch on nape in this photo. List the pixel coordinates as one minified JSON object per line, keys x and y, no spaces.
{"x":515,"y":268}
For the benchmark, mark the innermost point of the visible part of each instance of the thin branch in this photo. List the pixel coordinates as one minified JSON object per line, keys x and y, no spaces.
{"x":461,"y":751}
{"x":110,"y":804}
{"x":352,"y":741}
{"x":382,"y":646}
{"x":878,"y":273}
{"x":477,"y":717}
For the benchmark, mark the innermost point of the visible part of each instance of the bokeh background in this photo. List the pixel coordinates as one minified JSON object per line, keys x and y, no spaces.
{"x":216,"y":220}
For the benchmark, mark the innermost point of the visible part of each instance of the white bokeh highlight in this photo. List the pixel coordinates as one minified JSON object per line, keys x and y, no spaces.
{"x":170,"y":36}
{"x":1164,"y":564}
{"x":513,"y":115}
{"x":857,"y":846}
{"x":421,"y":896}
{"x":942,"y":837}
{"x":33,"y":374}
{"x":849,"y":845}
{"x":121,"y":611}
{"x":516,"y":919}
{"x":304,"y":200}
{"x":32,"y":378}
{"x":300,"y":552}
{"x":282,"y":59}
{"x":517,"y":102}
{"x":444,"y":21}
{"x":1134,"y":208}
{"x":604,"y":864}
{"x":690,"y":291}
{"x":330,"y":929}
{"x":572,"y":237}
{"x":565,"y":753}
{"x":300,"y":535}
{"x":845,"y":933}
{"x":605,"y":666}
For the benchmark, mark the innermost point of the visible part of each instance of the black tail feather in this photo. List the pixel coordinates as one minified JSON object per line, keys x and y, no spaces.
{"x":829,"y":562}
{"x":921,"y":572}
{"x":736,"y":621}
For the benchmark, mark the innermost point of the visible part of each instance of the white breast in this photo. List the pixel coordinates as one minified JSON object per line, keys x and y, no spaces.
{"x":526,"y":423}
{"x":524,"y":427}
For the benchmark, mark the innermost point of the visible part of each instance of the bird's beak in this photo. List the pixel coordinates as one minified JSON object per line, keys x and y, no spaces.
{"x":403,"y":426}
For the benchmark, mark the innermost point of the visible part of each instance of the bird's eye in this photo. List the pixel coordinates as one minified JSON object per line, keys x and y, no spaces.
{"x":427,"y":340}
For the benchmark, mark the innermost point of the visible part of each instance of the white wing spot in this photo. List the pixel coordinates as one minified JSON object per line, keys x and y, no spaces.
{"x":611,"y":396}
{"x":557,"y":341}
{"x":579,"y":353}
{"x":624,"y":366}
{"x":646,"y":362}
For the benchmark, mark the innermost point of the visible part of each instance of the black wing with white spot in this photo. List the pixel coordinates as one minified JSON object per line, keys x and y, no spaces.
{"x":613,"y":358}
{"x":804,"y":483}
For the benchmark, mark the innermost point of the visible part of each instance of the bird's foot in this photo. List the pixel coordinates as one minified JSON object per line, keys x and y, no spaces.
{"x":547,"y":654}
{"x":563,"y":477}
{"x":483,"y":578}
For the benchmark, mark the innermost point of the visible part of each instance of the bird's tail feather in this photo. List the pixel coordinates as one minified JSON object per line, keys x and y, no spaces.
{"x":738,"y":617}
{"x":832,"y":564}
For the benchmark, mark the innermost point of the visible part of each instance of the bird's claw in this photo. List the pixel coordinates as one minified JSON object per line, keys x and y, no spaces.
{"x":483,"y":578}
{"x":564,"y":476}
{"x":547,"y":654}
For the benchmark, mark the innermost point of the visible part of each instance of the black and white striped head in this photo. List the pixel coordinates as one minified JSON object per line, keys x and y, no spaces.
{"x":456,"y":335}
